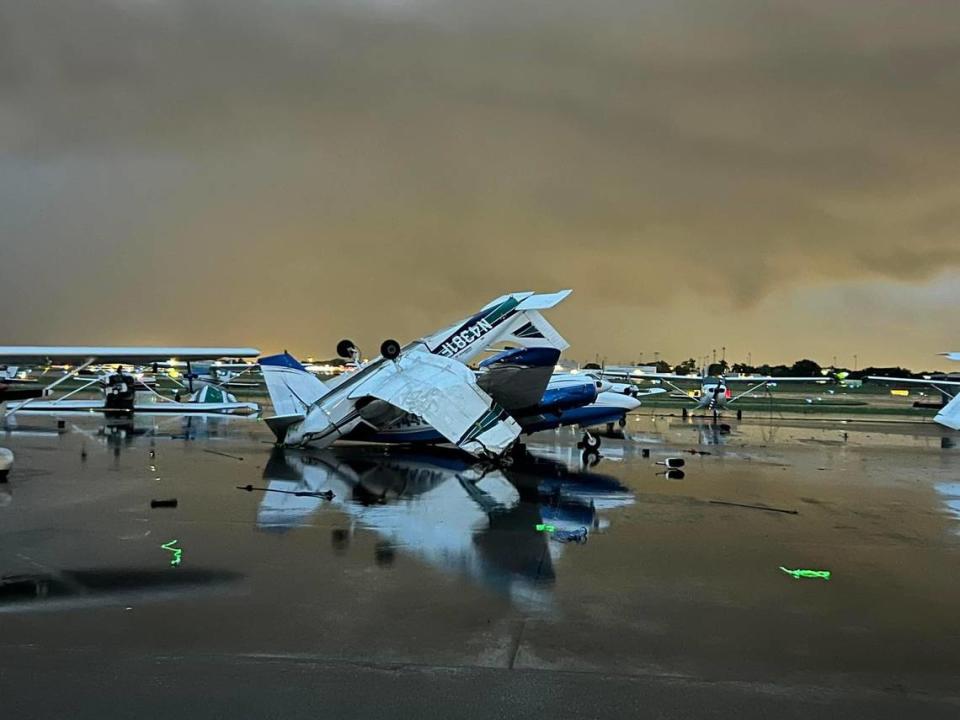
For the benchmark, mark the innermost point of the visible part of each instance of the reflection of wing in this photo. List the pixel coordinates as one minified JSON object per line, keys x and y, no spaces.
{"x":445,"y":394}
{"x":75,"y":354}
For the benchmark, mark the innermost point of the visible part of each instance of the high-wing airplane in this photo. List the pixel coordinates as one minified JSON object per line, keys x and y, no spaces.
{"x":428,"y":378}
{"x":715,"y":392}
{"x":118,"y":387}
{"x":949,"y":415}
{"x":14,"y":375}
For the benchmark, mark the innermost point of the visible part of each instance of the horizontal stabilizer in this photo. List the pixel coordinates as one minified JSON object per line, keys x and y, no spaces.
{"x":544,"y":301}
{"x":279,"y":424}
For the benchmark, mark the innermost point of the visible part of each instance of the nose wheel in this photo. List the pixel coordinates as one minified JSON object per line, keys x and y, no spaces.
{"x":589,"y":443}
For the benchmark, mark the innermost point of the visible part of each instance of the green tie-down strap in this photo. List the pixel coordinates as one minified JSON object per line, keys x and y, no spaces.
{"x":541,"y":527}
{"x":797,"y":574}
{"x":177,"y":552}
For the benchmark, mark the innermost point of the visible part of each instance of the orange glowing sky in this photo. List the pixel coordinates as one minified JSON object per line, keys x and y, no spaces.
{"x":776,"y":177}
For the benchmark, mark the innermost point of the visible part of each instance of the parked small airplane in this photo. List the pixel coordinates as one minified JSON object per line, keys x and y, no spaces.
{"x":715,"y":393}
{"x":949,"y":415}
{"x":428,"y":378}
{"x":118,"y":387}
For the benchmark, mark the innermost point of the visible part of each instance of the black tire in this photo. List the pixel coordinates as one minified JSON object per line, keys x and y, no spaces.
{"x":345,"y":349}
{"x":591,"y":442}
{"x":390,"y":349}
{"x":622,"y":422}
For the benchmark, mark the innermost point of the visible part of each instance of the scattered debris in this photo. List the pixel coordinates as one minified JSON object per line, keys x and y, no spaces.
{"x":6,"y":463}
{"x":797,"y":574}
{"x":325,"y":495}
{"x":171,"y":503}
{"x":672,"y":463}
{"x":578,"y":536}
{"x":217,"y":452}
{"x":177,"y":552}
{"x":755,"y":507}
{"x":693,"y":451}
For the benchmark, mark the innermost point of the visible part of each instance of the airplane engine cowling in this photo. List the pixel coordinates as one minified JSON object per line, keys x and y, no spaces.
{"x":568,"y":396}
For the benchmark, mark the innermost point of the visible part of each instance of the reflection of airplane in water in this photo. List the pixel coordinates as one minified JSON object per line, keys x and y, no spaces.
{"x":708,"y":433}
{"x":104,"y":587}
{"x":456,"y":515}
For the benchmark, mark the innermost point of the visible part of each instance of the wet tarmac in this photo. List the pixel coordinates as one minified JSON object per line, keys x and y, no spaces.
{"x":362,"y":582}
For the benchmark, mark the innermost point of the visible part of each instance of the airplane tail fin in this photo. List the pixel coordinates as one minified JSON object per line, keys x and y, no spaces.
{"x":293,"y":389}
{"x":949,"y":416}
{"x":515,"y":318}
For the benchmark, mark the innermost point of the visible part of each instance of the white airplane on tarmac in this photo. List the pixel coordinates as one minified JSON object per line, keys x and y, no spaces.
{"x":715,"y":393}
{"x":119,"y":387}
{"x":427,"y":378}
{"x":949,"y":415}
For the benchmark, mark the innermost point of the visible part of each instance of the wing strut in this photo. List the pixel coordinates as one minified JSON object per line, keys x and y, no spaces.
{"x":46,"y":391}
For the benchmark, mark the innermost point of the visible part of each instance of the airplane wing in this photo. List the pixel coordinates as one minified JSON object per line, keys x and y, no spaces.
{"x":952,"y":355}
{"x":661,"y":376}
{"x":914,"y":381}
{"x":643,"y":392}
{"x":444,"y":392}
{"x":76,"y":354}
{"x":771,"y":379}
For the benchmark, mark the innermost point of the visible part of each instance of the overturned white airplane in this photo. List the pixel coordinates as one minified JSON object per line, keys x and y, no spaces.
{"x":428,"y":378}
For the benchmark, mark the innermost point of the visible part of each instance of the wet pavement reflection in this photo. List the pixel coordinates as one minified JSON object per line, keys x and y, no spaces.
{"x":601,"y":566}
{"x":502,"y":525}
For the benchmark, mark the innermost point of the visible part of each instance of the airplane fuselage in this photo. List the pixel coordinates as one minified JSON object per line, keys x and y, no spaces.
{"x":714,"y":396}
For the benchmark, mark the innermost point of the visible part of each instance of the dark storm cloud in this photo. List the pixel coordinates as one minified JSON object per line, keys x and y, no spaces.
{"x":217,"y":169}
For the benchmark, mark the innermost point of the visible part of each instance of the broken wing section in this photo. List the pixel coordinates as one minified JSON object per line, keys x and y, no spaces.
{"x":445,"y":394}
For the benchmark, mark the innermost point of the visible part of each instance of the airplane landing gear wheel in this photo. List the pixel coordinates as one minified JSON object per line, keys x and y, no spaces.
{"x":622,"y":422}
{"x":346,"y":349}
{"x":390,"y":349}
{"x":589,"y":443}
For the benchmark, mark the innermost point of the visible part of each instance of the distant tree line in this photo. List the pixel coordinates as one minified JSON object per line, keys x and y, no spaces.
{"x":801,"y":368}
